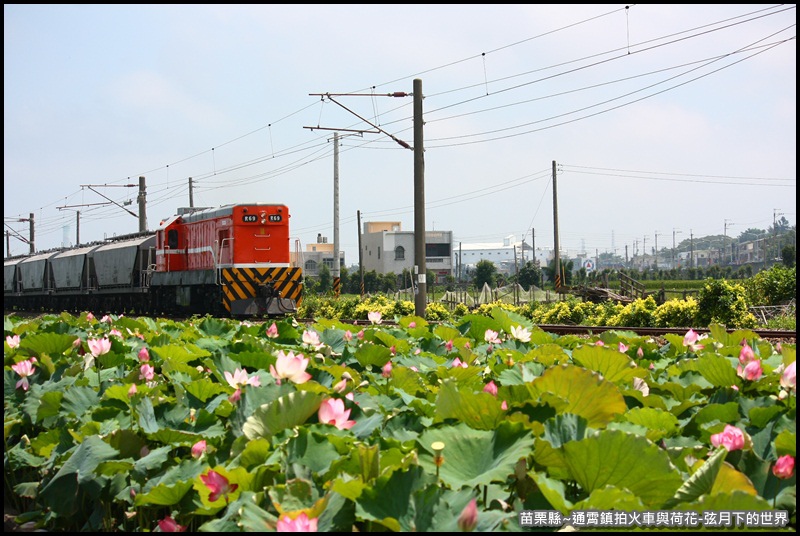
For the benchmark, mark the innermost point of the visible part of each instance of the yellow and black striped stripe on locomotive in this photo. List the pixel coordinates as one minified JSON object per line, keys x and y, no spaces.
{"x":244,"y":283}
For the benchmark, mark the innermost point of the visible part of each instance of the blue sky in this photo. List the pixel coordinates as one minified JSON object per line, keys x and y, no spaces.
{"x":662,"y":119}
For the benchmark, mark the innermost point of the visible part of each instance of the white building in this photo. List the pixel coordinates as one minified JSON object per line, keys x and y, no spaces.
{"x":386,"y":248}
{"x":316,"y":255}
{"x":506,"y":255}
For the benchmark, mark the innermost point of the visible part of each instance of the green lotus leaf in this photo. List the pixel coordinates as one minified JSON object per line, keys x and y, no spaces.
{"x":38,"y":344}
{"x":714,"y":413}
{"x":718,"y":370}
{"x":730,"y":479}
{"x":477,"y":326}
{"x":69,"y":487}
{"x":564,"y":428}
{"x":622,"y":460}
{"x":612,"y":364}
{"x":555,"y":491}
{"x":373,"y":354}
{"x":786,"y":443}
{"x":479,"y":410}
{"x":611,"y":498}
{"x":733,"y":501}
{"x":312,"y":450}
{"x":759,"y":417}
{"x":403,"y":501}
{"x":204,"y":389}
{"x":163,"y":494}
{"x":178,"y":353}
{"x":475,"y":457}
{"x":585,"y":394}
{"x":659,"y":424}
{"x":702,"y":480}
{"x":548,"y":354}
{"x":79,"y":400}
{"x":287,"y":411}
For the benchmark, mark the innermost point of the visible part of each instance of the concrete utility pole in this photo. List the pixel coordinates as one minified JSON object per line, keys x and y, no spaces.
{"x":336,"y":276}
{"x":191,"y":193}
{"x":674,"y":231}
{"x":421,"y":298}
{"x":725,"y":242}
{"x":360,"y":256}
{"x":557,"y":264}
{"x":691,"y":249}
{"x":142,"y":199}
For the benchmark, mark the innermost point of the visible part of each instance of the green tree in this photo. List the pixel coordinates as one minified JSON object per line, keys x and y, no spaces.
{"x":789,"y":256}
{"x":566,"y":269}
{"x":325,"y":279}
{"x":485,"y":272}
{"x":530,"y":274}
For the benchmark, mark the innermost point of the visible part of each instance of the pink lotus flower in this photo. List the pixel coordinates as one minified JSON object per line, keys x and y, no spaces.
{"x":348,"y":335}
{"x":132,"y":391}
{"x":622,"y":348}
{"x":504,"y":405}
{"x":144,"y":355}
{"x":76,"y":343}
{"x":12,"y":341}
{"x":272,"y":331}
{"x":468,"y":519}
{"x":731,"y":438}
{"x":332,"y":411}
{"x":784,"y":467}
{"x":106,"y":319}
{"x":448,"y":346}
{"x":374,"y":317}
{"x":599,"y":343}
{"x":690,"y":337}
{"x":299,"y":524}
{"x":386,"y":371}
{"x":24,"y":369}
{"x":521,"y":333}
{"x":170,"y":525}
{"x":290,"y":367}
{"x":690,"y":340}
{"x":490,"y":388}
{"x":146,"y":372}
{"x":789,"y":377}
{"x":360,"y":335}
{"x":491,"y":337}
{"x":99,"y":347}
{"x":393,"y":350}
{"x":752,"y":371}
{"x":746,"y":354}
{"x":235,"y":397}
{"x":239,"y":379}
{"x":218,"y":485}
{"x":458,"y":363}
{"x":199,"y":448}
{"x":311,"y":338}
{"x":116,"y":333}
{"x":89,"y":317}
{"x":412,"y":325}
{"x":640,"y":352}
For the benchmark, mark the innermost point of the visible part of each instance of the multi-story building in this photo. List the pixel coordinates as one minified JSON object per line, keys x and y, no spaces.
{"x":507,"y":255}
{"x":316,"y":255}
{"x":386,"y":248}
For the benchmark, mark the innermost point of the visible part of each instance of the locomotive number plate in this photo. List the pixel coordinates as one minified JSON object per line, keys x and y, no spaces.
{"x":249,"y":218}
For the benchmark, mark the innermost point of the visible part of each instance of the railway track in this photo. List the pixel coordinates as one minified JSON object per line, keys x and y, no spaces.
{"x":563,"y":329}
{"x":789,"y":336}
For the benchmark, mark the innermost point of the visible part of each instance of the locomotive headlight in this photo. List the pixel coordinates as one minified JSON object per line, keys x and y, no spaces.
{"x":263,"y":218}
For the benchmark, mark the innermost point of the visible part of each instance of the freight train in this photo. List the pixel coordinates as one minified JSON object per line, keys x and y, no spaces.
{"x":232,"y":261}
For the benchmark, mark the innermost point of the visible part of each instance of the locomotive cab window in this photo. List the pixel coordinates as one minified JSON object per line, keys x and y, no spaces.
{"x":172,"y":239}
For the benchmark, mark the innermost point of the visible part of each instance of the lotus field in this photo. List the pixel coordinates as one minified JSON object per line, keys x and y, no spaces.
{"x":483,"y":423}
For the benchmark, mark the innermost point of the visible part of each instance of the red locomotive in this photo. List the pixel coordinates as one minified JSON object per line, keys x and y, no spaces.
{"x":228,"y":261}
